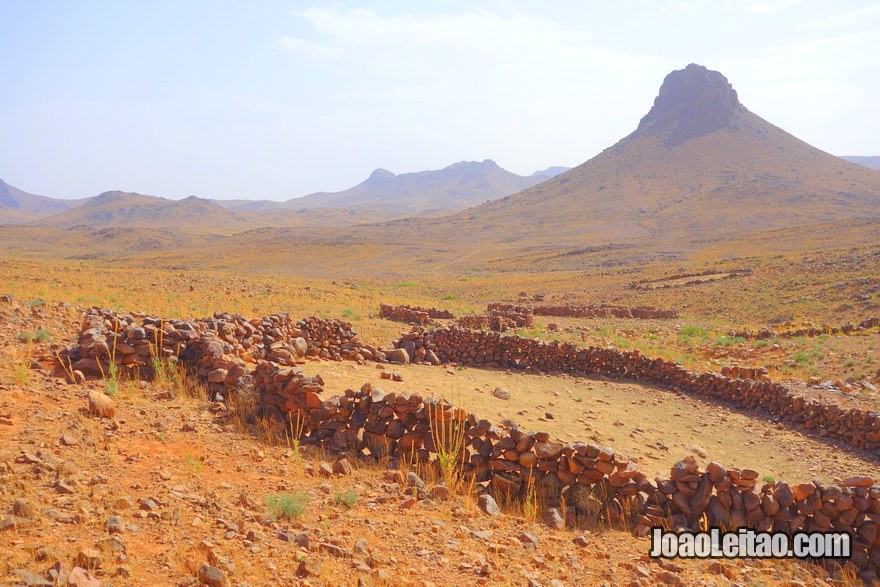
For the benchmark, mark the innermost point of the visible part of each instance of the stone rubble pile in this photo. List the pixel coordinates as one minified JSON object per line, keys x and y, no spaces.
{"x":499,"y":320}
{"x":413,"y":314}
{"x":216,"y":350}
{"x":808,"y":331}
{"x":855,"y":427}
{"x":738,"y":372}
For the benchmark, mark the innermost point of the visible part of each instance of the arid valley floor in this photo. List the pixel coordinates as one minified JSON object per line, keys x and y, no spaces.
{"x":508,"y":388}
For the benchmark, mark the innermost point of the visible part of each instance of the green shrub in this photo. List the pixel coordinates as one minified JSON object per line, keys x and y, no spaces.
{"x":691,"y":331}
{"x":287,"y":505}
{"x":347,"y":499}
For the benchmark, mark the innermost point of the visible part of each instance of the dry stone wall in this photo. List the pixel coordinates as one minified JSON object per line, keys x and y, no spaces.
{"x":809,"y":331}
{"x":217,"y":349}
{"x":691,"y":279}
{"x":590,"y":311}
{"x":596,"y":483}
{"x":499,"y":320}
{"x":413,"y":314}
{"x":857,"y":428}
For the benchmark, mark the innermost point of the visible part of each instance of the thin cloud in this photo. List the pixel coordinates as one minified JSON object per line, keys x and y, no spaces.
{"x":776,"y":6}
{"x":308,"y":48}
{"x":849,"y":19}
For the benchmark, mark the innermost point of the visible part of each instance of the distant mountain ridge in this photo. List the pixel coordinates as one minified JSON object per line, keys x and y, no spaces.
{"x":873,"y":161}
{"x":18,"y":206}
{"x":433,"y":192}
{"x":382,"y":196}
{"x":117,"y":209}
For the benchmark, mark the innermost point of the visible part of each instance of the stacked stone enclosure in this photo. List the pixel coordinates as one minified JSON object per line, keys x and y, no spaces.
{"x":663,"y":283}
{"x":594,"y":483}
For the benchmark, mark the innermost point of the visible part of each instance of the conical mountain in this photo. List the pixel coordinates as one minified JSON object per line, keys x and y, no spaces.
{"x":699,"y":165}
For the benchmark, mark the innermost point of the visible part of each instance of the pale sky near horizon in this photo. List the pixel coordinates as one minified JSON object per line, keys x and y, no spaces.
{"x":271,"y":99}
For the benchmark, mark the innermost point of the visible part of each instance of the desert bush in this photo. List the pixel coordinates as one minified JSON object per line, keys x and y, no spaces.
{"x":287,"y":505}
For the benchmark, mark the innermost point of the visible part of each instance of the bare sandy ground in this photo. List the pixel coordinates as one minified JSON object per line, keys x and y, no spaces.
{"x":655,"y":426}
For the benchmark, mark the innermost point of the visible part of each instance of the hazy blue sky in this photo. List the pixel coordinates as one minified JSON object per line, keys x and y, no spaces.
{"x":272,"y":99}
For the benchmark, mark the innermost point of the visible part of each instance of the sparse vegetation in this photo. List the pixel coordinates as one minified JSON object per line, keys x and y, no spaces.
{"x":287,"y":505}
{"x":192,"y":464}
{"x":347,"y":499}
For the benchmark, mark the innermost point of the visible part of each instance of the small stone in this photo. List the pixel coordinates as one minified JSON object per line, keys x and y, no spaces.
{"x":669,"y":578}
{"x":101,"y":404}
{"x":115,"y":525}
{"x":501,"y":393}
{"x":79,"y":577}
{"x":308,"y":567}
{"x":342,"y":467}
{"x":858,"y":481}
{"x":326,"y":469}
{"x":149,"y":505}
{"x":8,"y":522}
{"x":441,"y":493}
{"x":22,"y":508}
{"x":581,"y":541}
{"x":29,"y":578}
{"x":529,"y":539}
{"x":300,"y":539}
{"x":88,"y":558}
{"x":553,"y":518}
{"x":413,"y":480}
{"x":488,"y":506}
{"x":212,"y":576}
{"x":68,"y":440}
{"x":64,"y":488}
{"x":217,"y":375}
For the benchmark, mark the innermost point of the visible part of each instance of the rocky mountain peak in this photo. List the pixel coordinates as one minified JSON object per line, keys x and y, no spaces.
{"x":692,"y":102}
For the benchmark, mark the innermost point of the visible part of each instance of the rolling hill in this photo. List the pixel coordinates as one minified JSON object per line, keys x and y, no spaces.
{"x":18,"y":206}
{"x":386,"y":195}
{"x":118,"y":209}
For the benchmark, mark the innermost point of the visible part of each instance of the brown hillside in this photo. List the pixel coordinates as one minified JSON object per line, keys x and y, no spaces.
{"x":699,"y":165}
{"x":120,"y":209}
{"x":18,"y":206}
